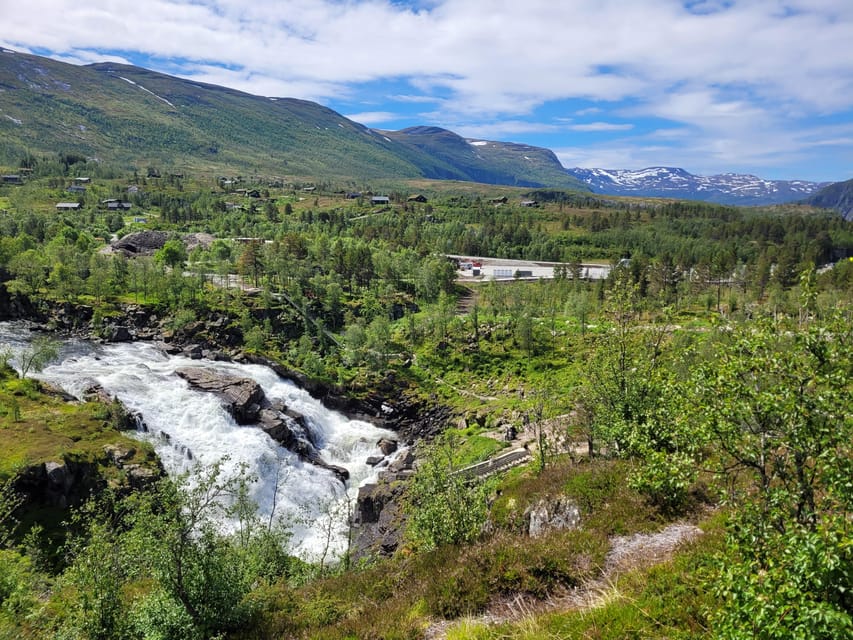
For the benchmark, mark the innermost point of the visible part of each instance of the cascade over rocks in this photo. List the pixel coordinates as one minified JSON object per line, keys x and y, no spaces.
{"x":217,"y":337}
{"x":245,"y":400}
{"x":242,"y":397}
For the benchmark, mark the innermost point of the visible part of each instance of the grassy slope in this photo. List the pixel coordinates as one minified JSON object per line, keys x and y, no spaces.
{"x":495,"y":163}
{"x":37,"y":427}
{"x":91,"y":110}
{"x":138,"y":117}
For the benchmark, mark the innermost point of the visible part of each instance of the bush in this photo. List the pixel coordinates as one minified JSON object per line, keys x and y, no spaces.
{"x":444,"y":506}
{"x":159,"y":617}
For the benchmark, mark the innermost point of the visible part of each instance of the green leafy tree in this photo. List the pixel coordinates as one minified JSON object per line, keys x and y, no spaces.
{"x":624,"y":373}
{"x":776,"y":404}
{"x":251,"y":261}
{"x":172,"y":254}
{"x":98,"y":570}
{"x":38,"y":354}
{"x":30,"y":271}
{"x":202,"y":575}
{"x":142,"y":274}
{"x":10,"y":500}
{"x":444,"y":505}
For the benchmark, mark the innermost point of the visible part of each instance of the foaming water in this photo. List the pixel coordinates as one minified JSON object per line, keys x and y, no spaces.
{"x":200,"y":431}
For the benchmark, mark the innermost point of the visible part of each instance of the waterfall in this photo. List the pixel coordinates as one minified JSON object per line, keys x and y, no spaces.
{"x":200,"y":431}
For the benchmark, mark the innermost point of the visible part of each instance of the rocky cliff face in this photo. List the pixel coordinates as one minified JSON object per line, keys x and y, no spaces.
{"x":13,"y":307}
{"x":838,"y":196}
{"x":71,"y":481}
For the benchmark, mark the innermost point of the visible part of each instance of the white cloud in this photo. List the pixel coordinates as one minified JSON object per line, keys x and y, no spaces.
{"x":491,"y":57}
{"x":602,"y":126}
{"x":500,"y":130}
{"x":738,"y":73}
{"x":372,"y":117}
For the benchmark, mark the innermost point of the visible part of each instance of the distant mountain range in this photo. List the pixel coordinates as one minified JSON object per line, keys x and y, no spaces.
{"x":669,"y":182}
{"x":137,"y":118}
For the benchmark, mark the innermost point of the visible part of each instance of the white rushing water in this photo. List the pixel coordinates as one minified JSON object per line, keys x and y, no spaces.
{"x":144,"y":379}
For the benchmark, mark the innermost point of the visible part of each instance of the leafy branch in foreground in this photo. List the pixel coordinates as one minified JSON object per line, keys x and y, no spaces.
{"x":776,"y":403}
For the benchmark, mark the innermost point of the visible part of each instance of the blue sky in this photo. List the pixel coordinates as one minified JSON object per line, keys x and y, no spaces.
{"x":753,"y":86}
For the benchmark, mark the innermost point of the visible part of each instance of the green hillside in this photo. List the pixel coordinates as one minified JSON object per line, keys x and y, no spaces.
{"x":136,"y":118}
{"x":483,"y":161}
{"x":133,"y":116}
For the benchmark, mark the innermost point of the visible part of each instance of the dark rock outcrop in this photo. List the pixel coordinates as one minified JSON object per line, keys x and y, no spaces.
{"x":69,"y":481}
{"x":379,"y":519}
{"x":242,"y":397}
{"x":15,"y":307}
{"x":141,"y":243}
{"x":387,"y":446}
{"x":245,"y":400}
{"x":291,"y":431}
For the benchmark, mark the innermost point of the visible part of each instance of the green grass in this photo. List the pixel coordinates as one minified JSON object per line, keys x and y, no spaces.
{"x":36,"y":427}
{"x":473,"y":447}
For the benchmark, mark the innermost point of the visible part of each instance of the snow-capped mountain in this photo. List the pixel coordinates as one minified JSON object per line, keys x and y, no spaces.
{"x":671,"y":182}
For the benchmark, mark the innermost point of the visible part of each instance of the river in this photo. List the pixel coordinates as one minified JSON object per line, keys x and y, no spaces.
{"x":200,"y":431}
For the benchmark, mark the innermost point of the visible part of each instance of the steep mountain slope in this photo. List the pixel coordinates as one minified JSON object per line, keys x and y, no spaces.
{"x":136,"y":117}
{"x":838,"y":196}
{"x":669,"y":182}
{"x":485,"y":161}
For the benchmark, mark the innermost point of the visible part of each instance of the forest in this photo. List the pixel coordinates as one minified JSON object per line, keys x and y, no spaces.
{"x":703,"y":388}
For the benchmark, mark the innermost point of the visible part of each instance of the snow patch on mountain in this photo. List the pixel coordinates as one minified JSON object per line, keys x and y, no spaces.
{"x":136,"y":84}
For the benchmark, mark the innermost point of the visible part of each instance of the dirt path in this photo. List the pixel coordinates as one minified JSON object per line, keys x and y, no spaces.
{"x":626,"y":553}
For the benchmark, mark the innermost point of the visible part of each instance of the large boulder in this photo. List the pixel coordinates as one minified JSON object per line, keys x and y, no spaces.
{"x":552,"y":514}
{"x":243,"y":398}
{"x":379,"y":519}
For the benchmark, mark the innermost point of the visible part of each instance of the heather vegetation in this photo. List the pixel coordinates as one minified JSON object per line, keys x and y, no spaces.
{"x":705,"y":383}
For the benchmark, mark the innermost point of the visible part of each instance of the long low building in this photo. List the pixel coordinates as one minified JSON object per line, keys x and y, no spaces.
{"x":478,"y":268}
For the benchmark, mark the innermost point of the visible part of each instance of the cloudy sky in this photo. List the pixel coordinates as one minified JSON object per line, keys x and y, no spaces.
{"x":750,"y":86}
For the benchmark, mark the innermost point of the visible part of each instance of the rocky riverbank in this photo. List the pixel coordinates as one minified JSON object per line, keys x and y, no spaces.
{"x":378,"y":514}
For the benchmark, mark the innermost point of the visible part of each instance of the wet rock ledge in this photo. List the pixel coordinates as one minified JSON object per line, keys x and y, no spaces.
{"x":246,"y":401}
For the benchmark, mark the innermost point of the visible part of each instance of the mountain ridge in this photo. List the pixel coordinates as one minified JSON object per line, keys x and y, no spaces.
{"x":674,"y":182}
{"x":134,"y":116}
{"x":837,"y":196}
